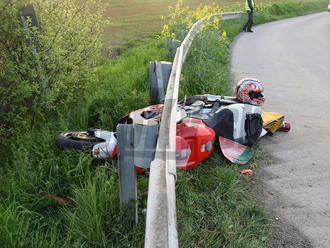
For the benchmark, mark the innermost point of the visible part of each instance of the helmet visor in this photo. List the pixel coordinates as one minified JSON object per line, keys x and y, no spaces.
{"x":254,"y":95}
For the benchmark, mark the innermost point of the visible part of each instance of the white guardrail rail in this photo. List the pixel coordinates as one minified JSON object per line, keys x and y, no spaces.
{"x":161,"y":227}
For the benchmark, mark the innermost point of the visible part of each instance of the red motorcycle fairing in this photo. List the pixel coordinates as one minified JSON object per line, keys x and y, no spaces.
{"x":194,"y":141}
{"x":200,"y":139}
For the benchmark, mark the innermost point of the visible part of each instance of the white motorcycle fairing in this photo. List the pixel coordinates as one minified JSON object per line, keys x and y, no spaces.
{"x":106,"y":149}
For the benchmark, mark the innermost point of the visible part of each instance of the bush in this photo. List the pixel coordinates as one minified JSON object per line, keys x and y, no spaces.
{"x":43,"y":69}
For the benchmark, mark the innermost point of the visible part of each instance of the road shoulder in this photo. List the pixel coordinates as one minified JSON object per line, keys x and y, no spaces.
{"x":283,"y":234}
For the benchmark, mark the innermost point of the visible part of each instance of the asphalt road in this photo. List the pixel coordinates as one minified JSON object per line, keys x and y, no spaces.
{"x":292,"y":58}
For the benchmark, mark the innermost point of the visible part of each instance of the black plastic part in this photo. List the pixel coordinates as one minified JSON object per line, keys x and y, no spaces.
{"x":124,"y":120}
{"x":222,"y":123}
{"x":150,"y":114}
{"x":215,"y":106}
{"x":190,"y":100}
{"x":253,"y":127}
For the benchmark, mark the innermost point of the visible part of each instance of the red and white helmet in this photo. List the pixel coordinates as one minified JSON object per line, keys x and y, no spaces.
{"x":249,"y":90}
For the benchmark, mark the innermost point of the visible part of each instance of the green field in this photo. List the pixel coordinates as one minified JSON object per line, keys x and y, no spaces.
{"x":132,"y":19}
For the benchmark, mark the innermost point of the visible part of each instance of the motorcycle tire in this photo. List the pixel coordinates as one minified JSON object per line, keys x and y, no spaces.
{"x":82,"y":140}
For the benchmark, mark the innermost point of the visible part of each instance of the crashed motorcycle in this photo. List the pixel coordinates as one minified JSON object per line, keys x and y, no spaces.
{"x":203,"y":121}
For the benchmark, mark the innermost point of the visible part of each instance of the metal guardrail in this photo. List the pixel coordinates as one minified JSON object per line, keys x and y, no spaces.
{"x":161,"y":228}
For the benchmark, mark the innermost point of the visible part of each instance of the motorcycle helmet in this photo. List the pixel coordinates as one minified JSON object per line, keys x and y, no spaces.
{"x":249,"y":90}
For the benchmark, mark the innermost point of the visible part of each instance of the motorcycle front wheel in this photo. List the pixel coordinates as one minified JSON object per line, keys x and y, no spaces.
{"x":82,"y":140}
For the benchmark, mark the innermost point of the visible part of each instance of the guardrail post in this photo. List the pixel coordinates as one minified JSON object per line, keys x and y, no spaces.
{"x":136,"y":146}
{"x":159,"y":74}
{"x":127,"y":172}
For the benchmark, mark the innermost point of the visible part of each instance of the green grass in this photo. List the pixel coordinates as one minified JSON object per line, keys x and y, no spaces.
{"x":215,"y":206}
{"x":215,"y":210}
{"x":122,"y":86}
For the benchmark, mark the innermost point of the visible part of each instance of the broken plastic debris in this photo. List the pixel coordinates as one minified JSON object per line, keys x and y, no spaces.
{"x":245,"y":171}
{"x":59,"y":199}
{"x":272,"y":121}
{"x":235,"y":152}
{"x":285,"y":127}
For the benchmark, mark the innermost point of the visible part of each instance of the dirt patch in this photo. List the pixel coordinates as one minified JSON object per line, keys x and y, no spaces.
{"x":283,"y":233}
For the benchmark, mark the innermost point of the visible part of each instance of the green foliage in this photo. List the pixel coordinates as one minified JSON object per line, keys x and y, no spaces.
{"x":122,"y":86}
{"x":205,"y":69}
{"x":276,"y":10}
{"x":44,"y":69}
{"x":290,"y":9}
{"x":14,"y":226}
{"x":92,"y":217}
{"x":17,"y":80}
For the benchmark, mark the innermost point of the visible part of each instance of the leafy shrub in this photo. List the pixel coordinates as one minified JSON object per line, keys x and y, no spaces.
{"x":205,"y":68}
{"x":42,"y":70}
{"x":180,"y":19}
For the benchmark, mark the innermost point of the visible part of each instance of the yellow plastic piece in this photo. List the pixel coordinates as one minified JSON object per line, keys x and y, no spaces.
{"x":272,"y":121}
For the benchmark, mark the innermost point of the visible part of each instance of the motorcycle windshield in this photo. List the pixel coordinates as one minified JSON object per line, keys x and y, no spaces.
{"x":235,"y":152}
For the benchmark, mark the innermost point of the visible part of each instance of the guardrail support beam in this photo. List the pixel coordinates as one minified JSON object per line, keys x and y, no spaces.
{"x":127,"y":172}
